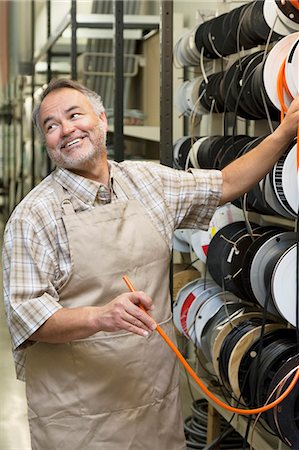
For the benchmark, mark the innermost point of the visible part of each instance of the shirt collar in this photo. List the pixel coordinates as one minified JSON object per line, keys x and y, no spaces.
{"x":83,"y":188}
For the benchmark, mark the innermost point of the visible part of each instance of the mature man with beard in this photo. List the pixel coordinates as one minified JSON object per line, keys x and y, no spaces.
{"x":97,"y":376}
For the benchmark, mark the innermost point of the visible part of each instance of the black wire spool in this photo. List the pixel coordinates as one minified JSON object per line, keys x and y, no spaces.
{"x":223,"y":315}
{"x":261,"y":98}
{"x":244,"y":241}
{"x":233,"y":147}
{"x":265,"y":234}
{"x":210,"y":93}
{"x":229,"y":85}
{"x":260,"y":32}
{"x":226,"y":260}
{"x":230,"y":24}
{"x":208,"y":151}
{"x":284,"y":418}
{"x":228,"y":345}
{"x":196,"y":429}
{"x":181,"y":150}
{"x":216,"y":249}
{"x":247,"y":106}
{"x":260,"y":363}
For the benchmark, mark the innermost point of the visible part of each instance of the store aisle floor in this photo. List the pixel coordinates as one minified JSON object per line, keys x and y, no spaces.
{"x":14,"y":430}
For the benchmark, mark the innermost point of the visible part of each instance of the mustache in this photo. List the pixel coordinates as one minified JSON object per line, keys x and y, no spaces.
{"x":64,"y":141}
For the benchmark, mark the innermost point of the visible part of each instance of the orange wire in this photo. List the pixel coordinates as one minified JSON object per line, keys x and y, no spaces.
{"x":295,"y":3}
{"x":201,"y":384}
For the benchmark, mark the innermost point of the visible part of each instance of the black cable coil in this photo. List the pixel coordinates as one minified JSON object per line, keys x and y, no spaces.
{"x":196,"y":426}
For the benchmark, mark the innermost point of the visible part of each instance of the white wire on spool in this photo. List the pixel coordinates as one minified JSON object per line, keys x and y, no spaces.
{"x":289,"y":180}
{"x":272,"y":65}
{"x":276,"y":20}
{"x":223,"y":216}
{"x":207,"y":309}
{"x":176,"y":150}
{"x":208,"y":289}
{"x":272,"y":200}
{"x":185,"y":50}
{"x":184,"y":294}
{"x":292,"y":69}
{"x":182,"y":240}
{"x":186,"y":98}
{"x":193,"y":152}
{"x":283,"y":285}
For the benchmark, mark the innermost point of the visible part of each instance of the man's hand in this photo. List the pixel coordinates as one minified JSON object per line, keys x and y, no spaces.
{"x":123,"y":313}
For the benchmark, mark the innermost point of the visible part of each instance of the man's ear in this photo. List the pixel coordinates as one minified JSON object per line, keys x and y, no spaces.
{"x":103,"y":119}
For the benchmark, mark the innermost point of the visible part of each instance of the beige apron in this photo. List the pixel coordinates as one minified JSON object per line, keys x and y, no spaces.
{"x":111,"y":391}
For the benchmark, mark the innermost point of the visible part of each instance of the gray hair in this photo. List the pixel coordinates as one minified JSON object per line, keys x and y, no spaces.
{"x":94,"y":98}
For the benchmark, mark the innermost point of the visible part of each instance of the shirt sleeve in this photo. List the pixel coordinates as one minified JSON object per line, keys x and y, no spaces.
{"x":28,"y":274}
{"x":192,"y":196}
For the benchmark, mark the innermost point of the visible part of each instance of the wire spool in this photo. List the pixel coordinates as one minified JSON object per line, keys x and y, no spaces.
{"x":210,"y":94}
{"x":272,"y":200}
{"x":272,"y":66}
{"x":223,"y":330}
{"x":263,"y":257}
{"x":261,"y":362}
{"x":182,"y":277}
{"x":181,"y":240}
{"x":181,"y":149}
{"x":184,"y":300}
{"x":209,"y":289}
{"x":208,"y":151}
{"x":285,"y":274}
{"x":228,"y":345}
{"x":284,"y":180}
{"x":200,"y":239}
{"x":232,"y":148}
{"x":277,"y":19}
{"x":245,"y":106}
{"x":185,"y":50}
{"x":291,"y":69}
{"x":225,"y":313}
{"x":283,"y":419}
{"x":289,"y":14}
{"x":225,"y":256}
{"x":207,"y":309}
{"x":182,"y":296}
{"x":187,"y":96}
{"x":241,"y":347}
{"x":264,"y":236}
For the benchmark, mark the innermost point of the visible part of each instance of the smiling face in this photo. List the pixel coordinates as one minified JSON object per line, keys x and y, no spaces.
{"x":75,"y":136}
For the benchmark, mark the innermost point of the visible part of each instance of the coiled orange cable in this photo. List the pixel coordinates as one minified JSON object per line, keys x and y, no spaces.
{"x":201,"y":384}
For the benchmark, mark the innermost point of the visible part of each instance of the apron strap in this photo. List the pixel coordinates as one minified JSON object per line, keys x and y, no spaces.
{"x":124,"y":187}
{"x":64,"y":198}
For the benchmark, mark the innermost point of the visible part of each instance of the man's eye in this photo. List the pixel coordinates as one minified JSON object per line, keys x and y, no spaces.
{"x":51,"y":127}
{"x":75,"y":115}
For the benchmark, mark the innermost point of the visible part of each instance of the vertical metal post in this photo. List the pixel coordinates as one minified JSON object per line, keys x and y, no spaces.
{"x":32,"y":92}
{"x":166,"y":87}
{"x":49,"y":69}
{"x":74,"y":49}
{"x":14,"y":144}
{"x":118,"y":140}
{"x":49,"y":52}
{"x":166,"y":93}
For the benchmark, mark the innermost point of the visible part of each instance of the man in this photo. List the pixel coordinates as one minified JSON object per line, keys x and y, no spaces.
{"x":97,"y":376}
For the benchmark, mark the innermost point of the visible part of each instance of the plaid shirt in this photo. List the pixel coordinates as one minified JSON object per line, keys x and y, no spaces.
{"x":36,"y":257}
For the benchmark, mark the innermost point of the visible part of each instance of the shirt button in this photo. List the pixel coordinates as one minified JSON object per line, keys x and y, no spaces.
{"x":102,"y":188}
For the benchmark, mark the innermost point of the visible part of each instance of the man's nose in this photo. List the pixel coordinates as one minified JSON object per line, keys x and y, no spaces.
{"x":67,"y":127}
